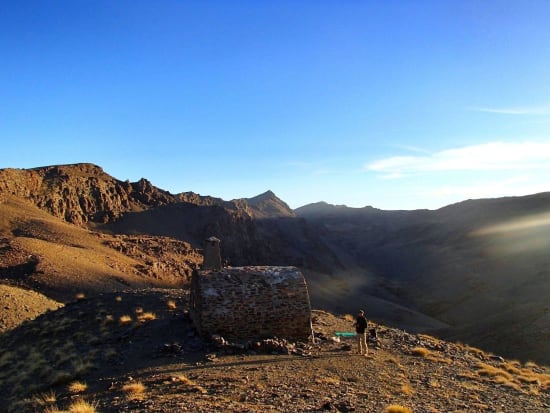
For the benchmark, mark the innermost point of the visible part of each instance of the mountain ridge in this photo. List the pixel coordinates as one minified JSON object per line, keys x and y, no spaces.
{"x":390,"y":262}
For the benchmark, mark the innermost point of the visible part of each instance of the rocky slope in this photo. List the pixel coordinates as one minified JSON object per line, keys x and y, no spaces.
{"x":138,"y":351}
{"x":40,"y":252}
{"x":419,"y":270}
{"x":84,"y":195}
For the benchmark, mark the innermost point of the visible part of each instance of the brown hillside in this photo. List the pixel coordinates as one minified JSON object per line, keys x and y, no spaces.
{"x":61,"y":260}
{"x":18,"y":305}
{"x":137,"y":351}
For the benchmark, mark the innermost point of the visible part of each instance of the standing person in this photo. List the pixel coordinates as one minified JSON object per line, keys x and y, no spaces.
{"x":361,"y":325}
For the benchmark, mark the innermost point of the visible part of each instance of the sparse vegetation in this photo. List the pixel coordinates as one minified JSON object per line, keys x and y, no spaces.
{"x":396,"y":408}
{"x":77,"y":387}
{"x":328,"y":380}
{"x":82,"y":406}
{"x":406,"y":389}
{"x":134,"y":391}
{"x":394,"y":360}
{"x":491,"y":371}
{"x":228,"y":382}
{"x":81,"y":367}
{"x":531,"y":365}
{"x":190,"y":384}
{"x":147,"y":317}
{"x":349,"y":317}
{"x":77,"y":406}
{"x":45,"y":399}
{"x":420,"y":352}
{"x":125,"y":319}
{"x":426,"y":353}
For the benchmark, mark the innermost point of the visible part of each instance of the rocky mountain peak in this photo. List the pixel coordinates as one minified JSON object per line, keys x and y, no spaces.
{"x":81,"y":193}
{"x":268,"y":205}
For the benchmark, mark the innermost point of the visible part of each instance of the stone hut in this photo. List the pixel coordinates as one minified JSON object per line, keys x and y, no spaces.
{"x":251,"y":303}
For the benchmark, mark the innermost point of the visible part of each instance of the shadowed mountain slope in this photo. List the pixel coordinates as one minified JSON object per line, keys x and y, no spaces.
{"x":479,"y":266}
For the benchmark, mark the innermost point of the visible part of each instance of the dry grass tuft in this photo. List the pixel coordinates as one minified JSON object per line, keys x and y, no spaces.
{"x":81,"y":367}
{"x":440,"y":359}
{"x":513,"y":377}
{"x":475,"y":350}
{"x":77,"y":387}
{"x":512,"y":368}
{"x":531,"y":365}
{"x":328,"y":380}
{"x":147,"y":317}
{"x":394,"y":360}
{"x":406,"y":389}
{"x":82,"y":406}
{"x":45,"y":399}
{"x":434,"y":383}
{"x":491,"y":371}
{"x":396,"y":408}
{"x":349,"y":317}
{"x":512,"y":385}
{"x":134,"y":391}
{"x":420,"y":352}
{"x":189,"y":383}
{"x":108,"y":319}
{"x":125,"y":319}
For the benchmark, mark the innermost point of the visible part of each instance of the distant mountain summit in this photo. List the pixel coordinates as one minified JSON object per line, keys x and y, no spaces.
{"x":83,"y":193}
{"x":268,"y":205}
{"x":323,"y":208}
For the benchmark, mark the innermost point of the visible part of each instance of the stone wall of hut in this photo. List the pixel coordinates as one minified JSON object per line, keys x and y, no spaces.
{"x":251,"y":302}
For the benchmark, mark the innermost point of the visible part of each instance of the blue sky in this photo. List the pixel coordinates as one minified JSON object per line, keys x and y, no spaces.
{"x":394,"y":104}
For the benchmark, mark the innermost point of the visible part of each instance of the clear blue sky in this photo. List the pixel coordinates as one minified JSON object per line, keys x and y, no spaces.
{"x":394,"y":104}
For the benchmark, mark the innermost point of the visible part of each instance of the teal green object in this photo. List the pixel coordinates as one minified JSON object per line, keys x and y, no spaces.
{"x":344,"y":334}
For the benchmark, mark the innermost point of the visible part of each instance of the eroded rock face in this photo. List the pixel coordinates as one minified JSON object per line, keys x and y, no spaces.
{"x":253,"y":230}
{"x":81,"y":193}
{"x":163,"y":258}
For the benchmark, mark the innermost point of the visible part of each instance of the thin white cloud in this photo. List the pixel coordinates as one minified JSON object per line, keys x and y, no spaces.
{"x":517,"y":185}
{"x":541,"y":110}
{"x":484,"y":157}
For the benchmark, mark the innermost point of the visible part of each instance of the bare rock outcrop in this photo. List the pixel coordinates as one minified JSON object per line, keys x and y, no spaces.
{"x":81,"y":193}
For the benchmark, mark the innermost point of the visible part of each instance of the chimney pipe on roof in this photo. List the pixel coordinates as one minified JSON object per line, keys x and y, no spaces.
{"x":212,"y":257}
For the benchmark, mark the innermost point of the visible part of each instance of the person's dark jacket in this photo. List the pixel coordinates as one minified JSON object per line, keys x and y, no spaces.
{"x":361,"y":324}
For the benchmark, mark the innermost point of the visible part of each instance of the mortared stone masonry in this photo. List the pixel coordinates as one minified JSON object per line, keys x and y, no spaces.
{"x":251,"y":303}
